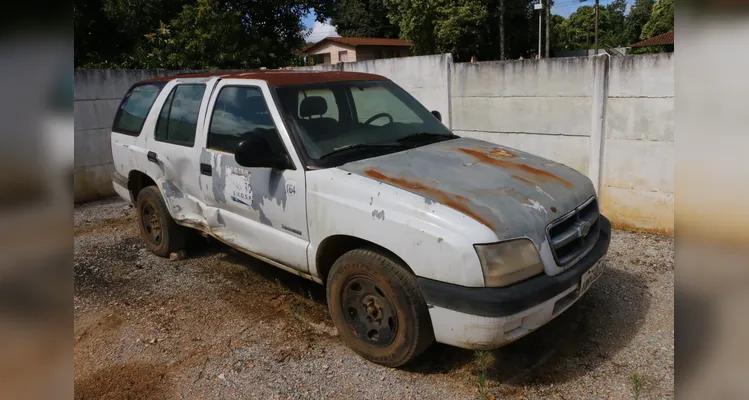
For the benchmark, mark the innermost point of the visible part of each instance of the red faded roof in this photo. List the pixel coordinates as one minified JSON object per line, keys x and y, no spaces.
{"x":660,"y":40}
{"x":360,"y":41}
{"x":281,"y":77}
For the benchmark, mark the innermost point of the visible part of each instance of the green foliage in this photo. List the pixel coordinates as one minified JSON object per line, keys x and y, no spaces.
{"x":578,"y":31}
{"x":435,"y":26}
{"x":638,"y":16}
{"x":465,"y":27}
{"x":363,"y":18}
{"x":661,"y":20}
{"x":190,"y":34}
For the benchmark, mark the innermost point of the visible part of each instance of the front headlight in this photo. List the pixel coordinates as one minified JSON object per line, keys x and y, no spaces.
{"x":509,"y":262}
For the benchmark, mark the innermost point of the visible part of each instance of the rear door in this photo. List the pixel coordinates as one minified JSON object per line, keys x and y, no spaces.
{"x":262,"y":210}
{"x":174,"y":147}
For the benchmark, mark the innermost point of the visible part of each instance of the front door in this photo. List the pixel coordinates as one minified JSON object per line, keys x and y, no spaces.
{"x":261,"y":210}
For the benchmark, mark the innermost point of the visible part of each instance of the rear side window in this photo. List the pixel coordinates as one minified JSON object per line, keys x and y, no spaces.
{"x":135,"y":107}
{"x":241,"y":112}
{"x":178,"y":119}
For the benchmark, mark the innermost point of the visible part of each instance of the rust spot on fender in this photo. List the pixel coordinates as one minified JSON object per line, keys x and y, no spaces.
{"x":554,"y":209}
{"x":501,"y":162}
{"x":454,"y":201}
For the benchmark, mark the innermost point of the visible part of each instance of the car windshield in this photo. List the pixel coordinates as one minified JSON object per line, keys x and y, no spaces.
{"x":338,"y":122}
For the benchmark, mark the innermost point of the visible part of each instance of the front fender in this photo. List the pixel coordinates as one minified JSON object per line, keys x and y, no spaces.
{"x":434,"y":240}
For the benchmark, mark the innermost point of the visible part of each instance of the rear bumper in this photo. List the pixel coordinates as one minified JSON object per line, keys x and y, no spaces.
{"x":484,"y":318}
{"x":119,"y":183}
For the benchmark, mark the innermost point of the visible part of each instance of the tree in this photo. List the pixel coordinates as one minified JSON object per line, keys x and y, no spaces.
{"x":613,"y":33}
{"x":440,"y":26}
{"x":363,"y":18}
{"x":638,"y":16}
{"x":190,"y":34}
{"x":559,"y":36}
{"x":579,"y":28}
{"x":661,"y":20}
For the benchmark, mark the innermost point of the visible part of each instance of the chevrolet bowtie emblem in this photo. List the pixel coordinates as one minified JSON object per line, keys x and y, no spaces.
{"x":583,"y":227}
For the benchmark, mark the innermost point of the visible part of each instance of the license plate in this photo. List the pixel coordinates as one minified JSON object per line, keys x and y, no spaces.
{"x":591,"y":275}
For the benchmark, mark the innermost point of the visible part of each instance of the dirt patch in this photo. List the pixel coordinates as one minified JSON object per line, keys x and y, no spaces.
{"x":127,"y":381}
{"x":220,"y":324}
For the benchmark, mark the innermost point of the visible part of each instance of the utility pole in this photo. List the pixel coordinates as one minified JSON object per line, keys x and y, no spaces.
{"x":596,"y":26}
{"x":540,"y":7}
{"x":502,"y":29}
{"x":548,"y":26}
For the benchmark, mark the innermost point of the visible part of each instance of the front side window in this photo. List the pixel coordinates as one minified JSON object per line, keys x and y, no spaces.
{"x":135,"y":107}
{"x":178,"y":120}
{"x":240,"y":113}
{"x":338,"y":122}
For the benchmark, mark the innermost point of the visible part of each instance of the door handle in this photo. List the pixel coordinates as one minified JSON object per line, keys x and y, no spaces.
{"x":206,"y":169}
{"x":152,"y":157}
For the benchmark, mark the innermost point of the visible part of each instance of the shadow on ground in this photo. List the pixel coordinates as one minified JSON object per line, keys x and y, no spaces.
{"x":602,"y":323}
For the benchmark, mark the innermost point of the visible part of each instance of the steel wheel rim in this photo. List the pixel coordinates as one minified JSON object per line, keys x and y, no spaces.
{"x":151,"y":223}
{"x":368,"y":311}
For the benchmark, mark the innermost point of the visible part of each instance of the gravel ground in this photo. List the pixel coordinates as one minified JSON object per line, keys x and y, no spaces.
{"x":219,"y":324}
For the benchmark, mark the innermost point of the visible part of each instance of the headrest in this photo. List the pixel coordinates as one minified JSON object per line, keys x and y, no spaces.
{"x":313,"y":105}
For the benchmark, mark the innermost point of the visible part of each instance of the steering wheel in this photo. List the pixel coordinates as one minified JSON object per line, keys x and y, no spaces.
{"x":380,"y":115}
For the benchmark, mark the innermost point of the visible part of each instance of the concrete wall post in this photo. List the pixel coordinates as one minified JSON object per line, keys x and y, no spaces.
{"x":598,"y":119}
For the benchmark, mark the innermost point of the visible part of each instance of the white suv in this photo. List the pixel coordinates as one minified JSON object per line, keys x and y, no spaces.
{"x":345,"y":179}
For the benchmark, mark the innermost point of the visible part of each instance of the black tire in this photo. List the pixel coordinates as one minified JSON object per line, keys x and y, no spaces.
{"x":378,"y":309}
{"x":157,"y":228}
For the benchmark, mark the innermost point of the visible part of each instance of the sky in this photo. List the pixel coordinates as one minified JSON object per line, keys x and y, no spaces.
{"x":319,"y":30}
{"x":562,"y":7}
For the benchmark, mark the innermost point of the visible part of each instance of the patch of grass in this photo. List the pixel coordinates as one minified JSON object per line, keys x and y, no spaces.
{"x":482,"y":359}
{"x":636,"y":381}
{"x":117,"y":271}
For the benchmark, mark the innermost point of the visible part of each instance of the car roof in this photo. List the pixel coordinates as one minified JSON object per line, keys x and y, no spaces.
{"x":279,"y":77}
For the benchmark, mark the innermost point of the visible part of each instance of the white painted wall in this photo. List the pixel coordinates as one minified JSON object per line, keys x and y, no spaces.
{"x":97,"y":95}
{"x":539,"y":106}
{"x":610,"y":118}
{"x":638,"y":168}
{"x":425,"y":77}
{"x":618,"y":111}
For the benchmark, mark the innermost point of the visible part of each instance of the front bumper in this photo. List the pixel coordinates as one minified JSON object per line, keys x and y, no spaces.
{"x":485,"y":318}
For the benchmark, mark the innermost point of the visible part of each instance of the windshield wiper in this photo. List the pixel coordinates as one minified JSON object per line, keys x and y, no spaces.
{"x":362,"y":146}
{"x":415,"y":137}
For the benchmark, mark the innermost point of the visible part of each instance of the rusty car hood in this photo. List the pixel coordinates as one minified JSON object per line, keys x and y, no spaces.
{"x":515,"y":194}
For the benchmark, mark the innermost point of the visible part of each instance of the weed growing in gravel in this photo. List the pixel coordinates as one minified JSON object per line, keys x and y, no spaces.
{"x":636,"y":385}
{"x":482,"y":359}
{"x":117,"y":272}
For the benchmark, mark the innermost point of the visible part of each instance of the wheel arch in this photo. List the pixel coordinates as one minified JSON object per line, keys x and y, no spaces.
{"x":333,"y":247}
{"x":136,"y":181}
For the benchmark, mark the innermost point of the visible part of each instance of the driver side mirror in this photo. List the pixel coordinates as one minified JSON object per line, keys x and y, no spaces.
{"x":437,"y":115}
{"x":256,"y":152}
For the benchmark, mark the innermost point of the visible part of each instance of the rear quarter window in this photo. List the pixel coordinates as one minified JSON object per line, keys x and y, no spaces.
{"x":135,"y":107}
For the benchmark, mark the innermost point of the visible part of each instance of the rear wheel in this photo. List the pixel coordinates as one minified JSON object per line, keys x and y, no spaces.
{"x":378,"y":309}
{"x":161,"y":234}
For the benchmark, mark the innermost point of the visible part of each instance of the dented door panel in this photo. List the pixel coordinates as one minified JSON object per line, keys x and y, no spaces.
{"x":174,"y":167}
{"x":261,"y":210}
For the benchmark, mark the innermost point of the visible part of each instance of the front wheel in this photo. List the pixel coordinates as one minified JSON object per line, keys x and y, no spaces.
{"x":378,"y":309}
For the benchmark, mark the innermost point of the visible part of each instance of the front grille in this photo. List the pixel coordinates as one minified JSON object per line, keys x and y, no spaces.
{"x":575,"y":233}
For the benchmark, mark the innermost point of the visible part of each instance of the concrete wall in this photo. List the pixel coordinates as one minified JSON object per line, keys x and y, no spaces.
{"x":638,"y":159}
{"x":97,"y":95}
{"x":425,"y":77}
{"x":609,"y":118}
{"x":539,"y":106}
